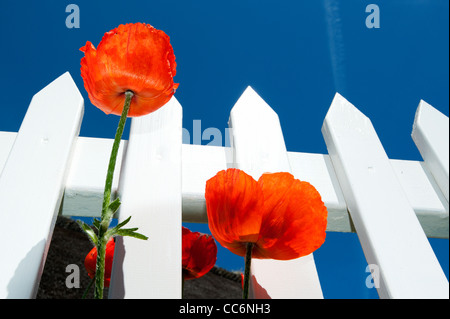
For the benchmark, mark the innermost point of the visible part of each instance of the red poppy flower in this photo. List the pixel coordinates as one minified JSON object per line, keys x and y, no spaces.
{"x":91,"y":259}
{"x":199,"y":254}
{"x":132,"y":57}
{"x":283,"y":217}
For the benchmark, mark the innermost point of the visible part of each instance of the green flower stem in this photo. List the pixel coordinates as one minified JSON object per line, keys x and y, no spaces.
{"x":106,"y":211}
{"x":88,"y":288}
{"x":115,"y":149}
{"x":248,"y":262}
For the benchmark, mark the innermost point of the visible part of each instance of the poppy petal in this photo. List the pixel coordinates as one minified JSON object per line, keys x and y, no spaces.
{"x":234,"y":204}
{"x":132,"y":57}
{"x":199,"y":254}
{"x":294,"y":218}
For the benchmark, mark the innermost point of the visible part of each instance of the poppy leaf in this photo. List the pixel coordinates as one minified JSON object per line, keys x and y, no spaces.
{"x":112,"y":208}
{"x":89,"y":232}
{"x":120,"y":225}
{"x":114,"y":205}
{"x":130,"y":232}
{"x":96,"y":223}
{"x":113,"y":231}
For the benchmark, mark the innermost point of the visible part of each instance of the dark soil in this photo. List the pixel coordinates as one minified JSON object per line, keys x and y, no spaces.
{"x":70,"y":246}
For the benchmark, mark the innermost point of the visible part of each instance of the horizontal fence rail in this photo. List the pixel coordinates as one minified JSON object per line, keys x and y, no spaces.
{"x":393,"y":205}
{"x":84,"y":186}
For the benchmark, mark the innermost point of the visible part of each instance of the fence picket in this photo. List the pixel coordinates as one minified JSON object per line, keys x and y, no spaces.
{"x":150,"y":191}
{"x":6,"y":143}
{"x":431,"y":135}
{"x":258,"y":147}
{"x":390,"y":234}
{"x":32,"y":184}
{"x":424,"y":196}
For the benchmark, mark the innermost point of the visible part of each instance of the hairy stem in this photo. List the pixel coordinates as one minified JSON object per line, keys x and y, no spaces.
{"x":106,"y":212}
{"x":248,"y":262}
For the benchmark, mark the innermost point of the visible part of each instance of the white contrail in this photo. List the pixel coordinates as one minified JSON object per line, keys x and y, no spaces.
{"x":336,"y":43}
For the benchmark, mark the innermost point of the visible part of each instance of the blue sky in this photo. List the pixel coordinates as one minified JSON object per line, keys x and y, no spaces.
{"x":295,"y":54}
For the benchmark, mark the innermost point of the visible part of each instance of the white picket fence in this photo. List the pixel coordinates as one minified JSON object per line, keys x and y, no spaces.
{"x":46,"y":169}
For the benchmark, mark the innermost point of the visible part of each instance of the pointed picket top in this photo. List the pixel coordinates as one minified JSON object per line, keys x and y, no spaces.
{"x":431,"y":136}
{"x":258,"y":146}
{"x":65,"y":83}
{"x":255,"y":124}
{"x":394,"y":243}
{"x":347,"y":116}
{"x":250,"y":102}
{"x":32,"y":184}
